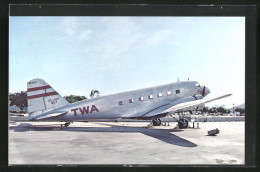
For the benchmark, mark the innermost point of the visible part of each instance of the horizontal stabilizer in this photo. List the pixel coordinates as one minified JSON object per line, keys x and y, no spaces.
{"x":48,"y":115}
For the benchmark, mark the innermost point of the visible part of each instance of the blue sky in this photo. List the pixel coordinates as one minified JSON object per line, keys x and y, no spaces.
{"x":113,"y":54}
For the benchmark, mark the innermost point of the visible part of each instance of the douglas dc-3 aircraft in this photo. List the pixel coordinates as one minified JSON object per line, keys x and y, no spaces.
{"x":45,"y":104}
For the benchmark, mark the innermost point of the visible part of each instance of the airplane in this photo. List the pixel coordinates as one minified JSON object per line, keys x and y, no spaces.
{"x":45,"y":104}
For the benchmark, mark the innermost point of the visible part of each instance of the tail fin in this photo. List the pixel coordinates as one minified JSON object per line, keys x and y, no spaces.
{"x":42,"y":97}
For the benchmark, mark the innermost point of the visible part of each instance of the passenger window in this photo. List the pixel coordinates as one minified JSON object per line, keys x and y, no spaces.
{"x":120,"y":102}
{"x":178,"y":91}
{"x":168,"y":93}
{"x":141,"y":98}
{"x":150,"y":96}
{"x":159,"y":94}
{"x":131,"y":100}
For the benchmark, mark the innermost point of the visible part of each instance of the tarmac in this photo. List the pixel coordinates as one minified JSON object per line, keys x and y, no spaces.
{"x":124,"y":143}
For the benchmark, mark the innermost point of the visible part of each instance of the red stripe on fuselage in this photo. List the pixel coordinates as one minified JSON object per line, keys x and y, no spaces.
{"x":42,"y":95}
{"x":38,"y":88}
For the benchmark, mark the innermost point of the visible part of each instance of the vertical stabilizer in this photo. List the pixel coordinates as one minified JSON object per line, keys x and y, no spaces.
{"x":42,"y":97}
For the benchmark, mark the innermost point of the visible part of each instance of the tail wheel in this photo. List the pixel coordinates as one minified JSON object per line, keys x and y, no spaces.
{"x":67,"y":123}
{"x":183,"y":123}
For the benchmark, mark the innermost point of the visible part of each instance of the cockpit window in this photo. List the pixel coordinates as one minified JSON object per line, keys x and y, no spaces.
{"x":197,"y":85}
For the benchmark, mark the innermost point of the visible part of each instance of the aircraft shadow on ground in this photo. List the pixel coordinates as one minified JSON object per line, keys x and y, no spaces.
{"x":165,"y":135}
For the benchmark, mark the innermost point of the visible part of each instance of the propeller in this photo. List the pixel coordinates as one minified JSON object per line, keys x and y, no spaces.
{"x":199,"y":97}
{"x":203,"y":91}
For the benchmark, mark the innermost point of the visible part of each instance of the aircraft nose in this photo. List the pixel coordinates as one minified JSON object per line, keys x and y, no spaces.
{"x":207,"y":91}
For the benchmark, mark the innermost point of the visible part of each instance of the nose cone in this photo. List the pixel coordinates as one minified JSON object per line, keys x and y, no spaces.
{"x":207,"y":91}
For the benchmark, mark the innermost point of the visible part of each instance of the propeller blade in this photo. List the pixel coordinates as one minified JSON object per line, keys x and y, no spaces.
{"x":203,"y":92}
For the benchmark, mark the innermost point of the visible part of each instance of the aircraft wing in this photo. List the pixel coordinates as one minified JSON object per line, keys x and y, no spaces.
{"x":48,"y":115}
{"x":181,"y":107}
{"x":187,"y":105}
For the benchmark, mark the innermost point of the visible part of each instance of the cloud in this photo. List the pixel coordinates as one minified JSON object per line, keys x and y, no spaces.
{"x":156,"y":37}
{"x":70,"y":25}
{"x":119,"y":40}
{"x":73,"y":28}
{"x":114,"y":41}
{"x":36,"y":19}
{"x":84,"y":35}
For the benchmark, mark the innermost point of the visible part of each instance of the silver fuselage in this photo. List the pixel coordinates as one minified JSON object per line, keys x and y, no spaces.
{"x":122,"y":105}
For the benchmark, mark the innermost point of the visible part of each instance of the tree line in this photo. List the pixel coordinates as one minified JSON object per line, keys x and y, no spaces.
{"x":221,"y":109}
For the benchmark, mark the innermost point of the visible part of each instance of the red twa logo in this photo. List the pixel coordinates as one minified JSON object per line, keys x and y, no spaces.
{"x":85,"y":110}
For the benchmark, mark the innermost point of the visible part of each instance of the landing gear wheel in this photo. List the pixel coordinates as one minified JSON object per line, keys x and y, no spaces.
{"x":183,"y":123}
{"x":157,"y":122}
{"x":67,"y":124}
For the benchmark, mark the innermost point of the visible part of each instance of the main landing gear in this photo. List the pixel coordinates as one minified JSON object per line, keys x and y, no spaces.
{"x":66,"y":124}
{"x":156,"y":122}
{"x":182,"y":121}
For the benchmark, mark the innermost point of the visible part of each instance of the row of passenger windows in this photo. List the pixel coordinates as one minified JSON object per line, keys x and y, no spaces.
{"x":150,"y":96}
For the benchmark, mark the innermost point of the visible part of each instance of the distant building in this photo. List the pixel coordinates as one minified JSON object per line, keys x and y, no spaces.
{"x":15,"y":108}
{"x":242,"y":106}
